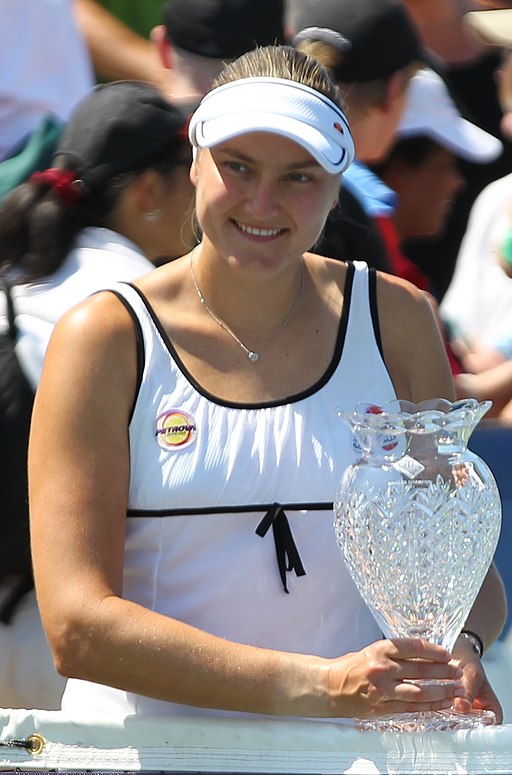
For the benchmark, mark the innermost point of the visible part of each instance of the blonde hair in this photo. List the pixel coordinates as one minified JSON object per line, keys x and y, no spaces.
{"x":281,"y":62}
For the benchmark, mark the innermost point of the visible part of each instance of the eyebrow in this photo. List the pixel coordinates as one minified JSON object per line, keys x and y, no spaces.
{"x":227,"y":150}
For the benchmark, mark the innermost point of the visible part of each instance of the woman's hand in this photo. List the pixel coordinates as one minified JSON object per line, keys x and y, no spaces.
{"x":378,"y":680}
{"x":479,"y":693}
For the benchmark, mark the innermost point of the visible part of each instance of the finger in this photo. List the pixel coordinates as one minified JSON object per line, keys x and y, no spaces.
{"x":435,"y":691}
{"x":421,"y":670}
{"x":416,"y":648}
{"x":494,"y":706}
{"x":479,"y":692}
{"x":486,"y":701}
{"x":463,"y":705}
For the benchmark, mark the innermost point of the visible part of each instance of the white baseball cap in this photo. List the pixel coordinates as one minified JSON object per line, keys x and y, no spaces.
{"x":431,"y":111}
{"x":493,"y":27}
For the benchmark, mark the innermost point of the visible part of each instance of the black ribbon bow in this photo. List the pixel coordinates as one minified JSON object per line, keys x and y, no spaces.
{"x":288,"y":557}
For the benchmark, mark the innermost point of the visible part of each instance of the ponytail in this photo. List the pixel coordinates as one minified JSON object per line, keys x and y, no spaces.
{"x":41,"y":218}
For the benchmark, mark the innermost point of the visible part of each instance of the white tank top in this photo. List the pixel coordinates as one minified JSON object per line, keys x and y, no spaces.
{"x":230,"y":523}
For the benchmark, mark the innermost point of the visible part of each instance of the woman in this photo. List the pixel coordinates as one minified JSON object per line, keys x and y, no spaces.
{"x":224,"y":427}
{"x":117,"y":199}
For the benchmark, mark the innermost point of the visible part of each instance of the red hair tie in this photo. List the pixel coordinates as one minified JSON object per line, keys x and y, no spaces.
{"x":68,"y":188}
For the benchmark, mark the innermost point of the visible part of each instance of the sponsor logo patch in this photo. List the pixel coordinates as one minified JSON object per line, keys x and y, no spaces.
{"x":175,"y":429}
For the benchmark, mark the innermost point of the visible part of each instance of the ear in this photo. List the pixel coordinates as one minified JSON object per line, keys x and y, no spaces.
{"x":163,"y":45}
{"x":193,"y":172}
{"x":394,"y":90}
{"x":146,"y":191}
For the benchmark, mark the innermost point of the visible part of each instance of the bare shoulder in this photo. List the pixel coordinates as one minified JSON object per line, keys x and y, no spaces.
{"x":326,"y":272}
{"x":399,"y":299}
{"x":412,"y":340}
{"x":323,"y":264}
{"x":92,"y":353}
{"x":99,"y":318}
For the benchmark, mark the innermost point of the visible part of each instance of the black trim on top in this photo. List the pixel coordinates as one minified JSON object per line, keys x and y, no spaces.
{"x":287,"y":553}
{"x":241,"y":509}
{"x":141,"y":354}
{"x":374,"y":310}
{"x":340,"y":341}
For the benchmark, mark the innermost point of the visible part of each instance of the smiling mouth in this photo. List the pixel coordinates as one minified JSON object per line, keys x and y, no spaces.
{"x":256,"y":232}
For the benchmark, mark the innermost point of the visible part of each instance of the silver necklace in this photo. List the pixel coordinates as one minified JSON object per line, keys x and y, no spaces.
{"x":251,"y":354}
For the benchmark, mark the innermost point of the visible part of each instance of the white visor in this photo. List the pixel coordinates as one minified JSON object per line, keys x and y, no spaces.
{"x":281,"y":107}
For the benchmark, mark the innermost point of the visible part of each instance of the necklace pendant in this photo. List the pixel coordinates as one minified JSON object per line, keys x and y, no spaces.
{"x":253,"y":357}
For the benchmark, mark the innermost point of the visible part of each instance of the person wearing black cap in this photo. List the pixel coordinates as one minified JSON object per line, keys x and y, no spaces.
{"x":193,"y":39}
{"x":121,"y":166}
{"x":199,"y":36}
{"x":192,"y":570}
{"x":372,"y":50}
{"x":117,"y":198}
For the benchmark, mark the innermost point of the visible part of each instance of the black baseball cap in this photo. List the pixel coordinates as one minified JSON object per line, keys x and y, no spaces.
{"x":382,"y":36}
{"x":224,"y":29}
{"x":117,"y":128}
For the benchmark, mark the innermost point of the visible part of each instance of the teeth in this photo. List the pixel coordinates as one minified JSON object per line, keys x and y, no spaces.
{"x":258,"y":232}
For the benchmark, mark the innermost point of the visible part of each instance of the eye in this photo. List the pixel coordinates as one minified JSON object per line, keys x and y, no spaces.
{"x":300,"y":177}
{"x":237,"y":167}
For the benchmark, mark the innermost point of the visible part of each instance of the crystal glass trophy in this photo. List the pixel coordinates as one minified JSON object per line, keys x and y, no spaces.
{"x":417,"y":519}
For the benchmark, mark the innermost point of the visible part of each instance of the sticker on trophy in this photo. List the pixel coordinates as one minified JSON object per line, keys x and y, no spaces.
{"x":384,"y":438}
{"x":409,"y":467}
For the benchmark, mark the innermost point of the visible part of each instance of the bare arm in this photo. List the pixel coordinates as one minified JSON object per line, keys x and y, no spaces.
{"x":494,"y":383}
{"x":489,"y":612}
{"x":486,"y":618}
{"x":413,"y":347}
{"x":79,"y":471}
{"x":117,"y":52}
{"x":418,"y":365}
{"x":79,"y":467}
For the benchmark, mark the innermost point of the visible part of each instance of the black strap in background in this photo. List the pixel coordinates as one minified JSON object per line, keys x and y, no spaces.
{"x":11,"y":316}
{"x":24,"y":583}
{"x":20,"y":587}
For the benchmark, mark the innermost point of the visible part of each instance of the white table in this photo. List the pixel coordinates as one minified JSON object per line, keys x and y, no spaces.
{"x":133,"y":744}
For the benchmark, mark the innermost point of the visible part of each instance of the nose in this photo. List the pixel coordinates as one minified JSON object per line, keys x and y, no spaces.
{"x":458,"y":181}
{"x":262,"y":198}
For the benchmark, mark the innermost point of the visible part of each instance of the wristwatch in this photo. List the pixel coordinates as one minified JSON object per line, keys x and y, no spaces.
{"x":476,"y":641}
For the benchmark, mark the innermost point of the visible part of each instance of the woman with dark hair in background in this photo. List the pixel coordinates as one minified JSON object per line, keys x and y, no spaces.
{"x":117,"y":200}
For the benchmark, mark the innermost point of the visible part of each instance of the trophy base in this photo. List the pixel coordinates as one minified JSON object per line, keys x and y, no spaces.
{"x":435,"y":720}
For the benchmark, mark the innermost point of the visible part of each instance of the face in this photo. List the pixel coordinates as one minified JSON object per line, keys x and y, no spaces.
{"x":386,"y":137}
{"x":261,"y":199}
{"x":425,"y":192}
{"x":173,"y":232}
{"x":386,"y":117}
{"x":504,"y":90}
